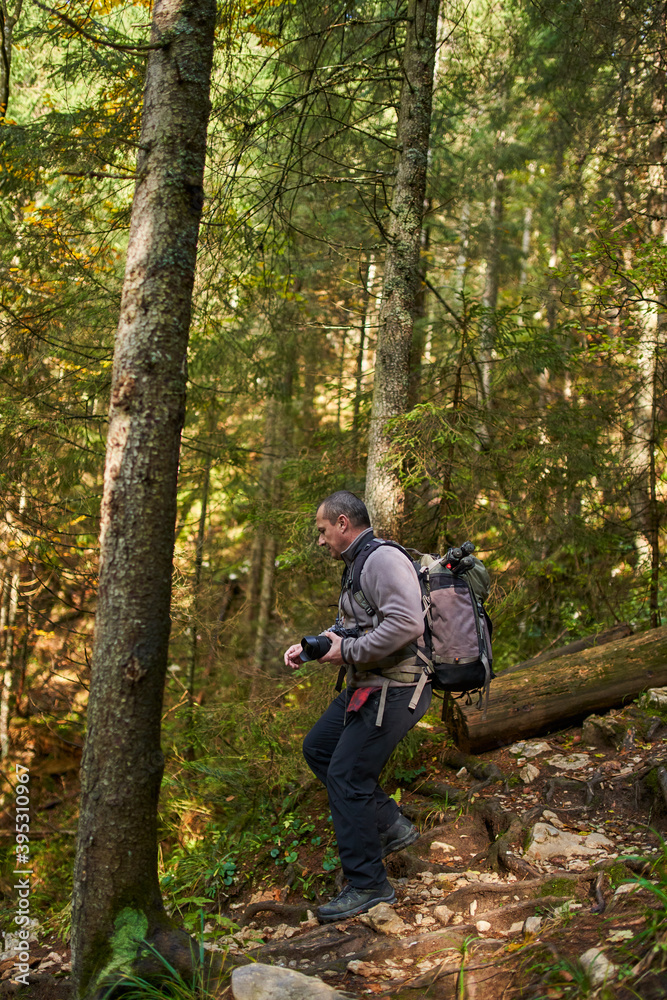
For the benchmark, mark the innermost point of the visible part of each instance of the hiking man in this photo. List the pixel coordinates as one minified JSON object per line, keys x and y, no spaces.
{"x":352,"y":741}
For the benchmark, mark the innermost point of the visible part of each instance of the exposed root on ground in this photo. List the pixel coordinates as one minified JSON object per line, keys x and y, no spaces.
{"x":270,"y":906}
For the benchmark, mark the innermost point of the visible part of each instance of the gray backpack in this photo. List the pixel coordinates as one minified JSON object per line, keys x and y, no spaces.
{"x":456,"y":644}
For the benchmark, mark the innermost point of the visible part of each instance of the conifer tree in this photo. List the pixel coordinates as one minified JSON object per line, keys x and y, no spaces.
{"x":116,"y":897}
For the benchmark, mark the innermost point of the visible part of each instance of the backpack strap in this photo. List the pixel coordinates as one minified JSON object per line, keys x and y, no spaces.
{"x":351,"y":581}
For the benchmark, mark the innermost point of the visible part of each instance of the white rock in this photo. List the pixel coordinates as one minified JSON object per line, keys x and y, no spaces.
{"x":535,"y":749}
{"x":600,"y":970}
{"x":546,"y":841}
{"x":531,"y":925}
{"x":626,"y":887}
{"x":271,"y":982}
{"x":483,"y":925}
{"x":438,"y":845}
{"x":529,"y":773}
{"x":516,"y":927}
{"x":359,"y":968}
{"x":473,"y":908}
{"x":657,"y":696}
{"x":623,"y":934}
{"x":552,"y":818}
{"x":383,"y":918}
{"x":443,"y":914}
{"x":570,"y":762}
{"x":463,"y":773}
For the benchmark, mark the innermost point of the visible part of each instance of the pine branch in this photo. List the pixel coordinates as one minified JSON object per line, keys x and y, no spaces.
{"x":119,"y":47}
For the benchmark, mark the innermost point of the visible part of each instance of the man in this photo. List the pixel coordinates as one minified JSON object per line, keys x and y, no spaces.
{"x":352,"y":741}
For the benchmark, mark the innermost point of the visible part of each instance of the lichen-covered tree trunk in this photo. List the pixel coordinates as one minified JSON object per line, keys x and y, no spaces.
{"x":116,"y":897}
{"x":384,"y":493}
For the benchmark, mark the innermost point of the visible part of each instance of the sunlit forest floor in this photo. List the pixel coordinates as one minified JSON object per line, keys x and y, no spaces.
{"x":517,"y":880}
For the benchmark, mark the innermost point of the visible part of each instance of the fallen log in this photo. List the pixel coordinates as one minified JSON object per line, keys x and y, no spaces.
{"x":560,"y":692}
{"x":577,"y":646}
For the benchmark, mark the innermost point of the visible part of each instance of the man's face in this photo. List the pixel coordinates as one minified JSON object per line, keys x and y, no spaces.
{"x":334,"y":535}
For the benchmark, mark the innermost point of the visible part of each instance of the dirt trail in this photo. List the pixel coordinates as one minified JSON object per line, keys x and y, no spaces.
{"x":516,"y":891}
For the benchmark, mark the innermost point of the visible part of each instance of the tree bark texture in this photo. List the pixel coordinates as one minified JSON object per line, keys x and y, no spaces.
{"x":8,"y":21}
{"x":555,"y":693}
{"x":384,"y":494}
{"x":116,"y":890}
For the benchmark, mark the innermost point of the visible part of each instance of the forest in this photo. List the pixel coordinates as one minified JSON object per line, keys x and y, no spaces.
{"x":253,"y":253}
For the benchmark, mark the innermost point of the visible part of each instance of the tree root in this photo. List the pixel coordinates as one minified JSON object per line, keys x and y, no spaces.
{"x":506,"y":829}
{"x":270,"y":906}
{"x":440,"y":789}
{"x":455,"y":760}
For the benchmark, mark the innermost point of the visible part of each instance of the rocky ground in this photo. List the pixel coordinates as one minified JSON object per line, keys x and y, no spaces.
{"x":540,"y":872}
{"x":548,"y":879}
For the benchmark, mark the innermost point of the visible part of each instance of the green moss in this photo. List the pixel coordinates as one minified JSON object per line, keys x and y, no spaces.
{"x":130,"y":928}
{"x":618,"y":874}
{"x":558,"y":887}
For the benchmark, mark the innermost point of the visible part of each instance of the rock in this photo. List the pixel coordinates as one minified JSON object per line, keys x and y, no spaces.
{"x":570,"y":762}
{"x":529,"y":773}
{"x":516,"y":927}
{"x":552,"y":818}
{"x":438,"y":845}
{"x":623,"y":934}
{"x":443,"y":914}
{"x":271,"y":982}
{"x":383,"y":918}
{"x":527,"y":748}
{"x":531,"y":925}
{"x":473,"y":908}
{"x":359,"y":968}
{"x":463,"y":773}
{"x":603,"y":731}
{"x":547,"y":842}
{"x":483,"y":925}
{"x":598,"y":967}
{"x":657,"y":696}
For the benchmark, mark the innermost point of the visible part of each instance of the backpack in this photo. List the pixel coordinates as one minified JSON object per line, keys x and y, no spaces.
{"x":456,"y":644}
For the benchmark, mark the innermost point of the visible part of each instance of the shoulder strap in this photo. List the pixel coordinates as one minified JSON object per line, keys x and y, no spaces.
{"x":352,"y":575}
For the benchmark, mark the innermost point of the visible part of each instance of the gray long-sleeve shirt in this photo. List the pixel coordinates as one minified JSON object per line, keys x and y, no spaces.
{"x":389,"y":582}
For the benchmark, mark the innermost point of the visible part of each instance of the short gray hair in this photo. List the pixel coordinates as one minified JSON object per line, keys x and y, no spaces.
{"x":345,"y":502}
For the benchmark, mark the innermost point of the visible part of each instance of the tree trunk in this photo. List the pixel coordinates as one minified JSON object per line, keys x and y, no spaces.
{"x":196,"y":587}
{"x":10,"y":603}
{"x":490,"y":300}
{"x":384,"y":493}
{"x":549,"y":696}
{"x":116,"y":898}
{"x":368,"y":273}
{"x":7,"y":24}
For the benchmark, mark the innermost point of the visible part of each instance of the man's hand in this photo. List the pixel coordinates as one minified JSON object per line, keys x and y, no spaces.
{"x":292,"y":656}
{"x":334,"y":655}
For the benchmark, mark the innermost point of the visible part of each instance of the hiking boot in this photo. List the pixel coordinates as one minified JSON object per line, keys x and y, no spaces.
{"x":400,"y":834}
{"x":351,"y":901}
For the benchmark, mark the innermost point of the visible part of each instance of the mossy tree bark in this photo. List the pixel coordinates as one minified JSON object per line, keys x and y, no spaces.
{"x":116,"y":897}
{"x":402,"y":277}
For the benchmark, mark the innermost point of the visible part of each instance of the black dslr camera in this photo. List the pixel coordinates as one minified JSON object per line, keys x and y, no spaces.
{"x":313,"y":647}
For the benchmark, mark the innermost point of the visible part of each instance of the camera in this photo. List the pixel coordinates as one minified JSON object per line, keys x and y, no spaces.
{"x":314,"y":647}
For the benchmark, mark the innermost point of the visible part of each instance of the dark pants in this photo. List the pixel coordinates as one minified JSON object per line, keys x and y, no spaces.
{"x":347,"y":752}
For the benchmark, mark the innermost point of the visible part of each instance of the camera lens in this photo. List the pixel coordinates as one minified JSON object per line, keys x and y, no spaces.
{"x":313,"y":647}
